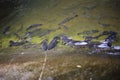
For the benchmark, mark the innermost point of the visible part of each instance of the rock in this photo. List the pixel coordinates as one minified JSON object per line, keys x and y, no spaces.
{"x":22,"y":53}
{"x":49,"y":78}
{"x":78,"y":66}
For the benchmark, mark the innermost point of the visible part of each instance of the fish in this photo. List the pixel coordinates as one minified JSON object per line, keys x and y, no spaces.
{"x":67,"y":19}
{"x":34,"y":32}
{"x":53,"y":43}
{"x":90,"y":7}
{"x":6,"y":29}
{"x":31,"y":33}
{"x":20,"y":29}
{"x":111,"y":37}
{"x":88,"y":32}
{"x":17,"y":35}
{"x":64,"y":27}
{"x":104,"y":25}
{"x":44,"y":33}
{"x":44,"y":45}
{"x":65,"y":39}
{"x":33,"y":26}
{"x":14,"y":43}
{"x":88,"y":38}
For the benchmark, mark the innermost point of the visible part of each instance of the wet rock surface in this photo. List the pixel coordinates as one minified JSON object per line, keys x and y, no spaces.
{"x":61,"y":64}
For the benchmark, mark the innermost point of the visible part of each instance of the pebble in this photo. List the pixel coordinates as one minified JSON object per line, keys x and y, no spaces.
{"x":79,"y":66}
{"x":22,"y":53}
{"x":49,"y":78}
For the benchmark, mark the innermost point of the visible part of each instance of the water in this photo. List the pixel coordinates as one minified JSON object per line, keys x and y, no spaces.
{"x":63,"y":61}
{"x":99,"y":15}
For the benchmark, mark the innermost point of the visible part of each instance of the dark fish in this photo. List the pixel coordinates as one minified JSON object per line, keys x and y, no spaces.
{"x":16,"y":35}
{"x":31,"y":33}
{"x":26,"y":35}
{"x":103,"y":33}
{"x":44,"y":45}
{"x":13,"y":43}
{"x":64,"y":27}
{"x":95,"y":31}
{"x":44,"y":33}
{"x":74,"y":43}
{"x":65,"y":39}
{"x":67,"y":19}
{"x":34,"y":32}
{"x":20,"y":29}
{"x":48,"y":31}
{"x":53,"y":43}
{"x":30,"y":45}
{"x":6,"y":29}
{"x":104,"y":25}
{"x":55,"y":29}
{"x":86,"y":14}
{"x":88,"y":38}
{"x":105,"y":45}
{"x":88,"y":32}
{"x":90,"y":7}
{"x":111,"y":37}
{"x":33,"y":26}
